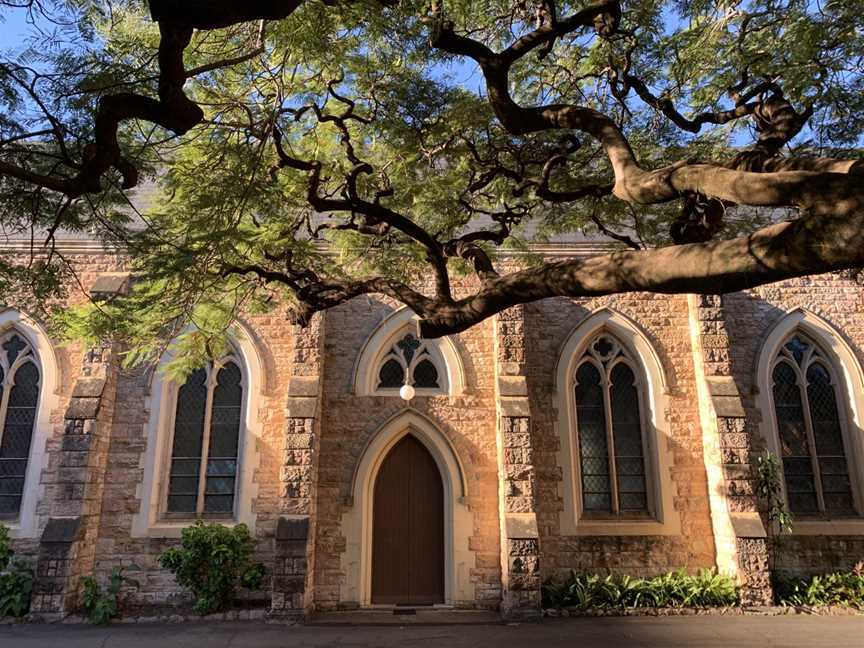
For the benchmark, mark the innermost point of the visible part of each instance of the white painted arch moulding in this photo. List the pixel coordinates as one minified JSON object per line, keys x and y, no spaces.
{"x":385,"y":335}
{"x":49,"y":400}
{"x":356,"y":524}
{"x":666,"y":519}
{"x":161,"y":404}
{"x":851,"y":393}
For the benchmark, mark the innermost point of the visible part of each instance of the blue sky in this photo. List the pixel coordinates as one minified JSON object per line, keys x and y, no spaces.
{"x":13,"y":27}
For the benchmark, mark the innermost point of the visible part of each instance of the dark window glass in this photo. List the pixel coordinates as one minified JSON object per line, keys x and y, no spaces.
{"x":593,"y":450}
{"x":188,"y":441}
{"x":425,"y":374}
{"x":224,"y":437}
{"x":828,"y":439}
{"x":794,"y":447}
{"x":627,"y":436}
{"x":13,"y":346}
{"x":408,"y":345}
{"x":17,"y":431}
{"x":391,"y":374}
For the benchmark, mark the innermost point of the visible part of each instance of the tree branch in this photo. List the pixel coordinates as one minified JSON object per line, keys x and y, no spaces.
{"x":783,"y":251}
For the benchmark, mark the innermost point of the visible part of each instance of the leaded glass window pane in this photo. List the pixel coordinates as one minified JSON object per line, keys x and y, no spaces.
{"x":408,"y":346}
{"x":425,"y":374}
{"x":188,"y":441}
{"x":391,"y":374}
{"x":627,"y":435}
{"x":13,"y":346}
{"x":593,"y":449}
{"x":609,"y":427}
{"x":224,"y":439}
{"x":17,"y":429}
{"x":828,"y":439}
{"x":794,"y":448}
{"x":810,"y":429}
{"x":409,"y":361}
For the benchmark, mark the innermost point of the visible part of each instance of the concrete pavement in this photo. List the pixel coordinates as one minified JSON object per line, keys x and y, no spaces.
{"x":609,"y":632}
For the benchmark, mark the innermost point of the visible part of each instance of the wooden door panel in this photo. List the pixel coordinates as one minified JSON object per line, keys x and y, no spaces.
{"x":408,"y":528}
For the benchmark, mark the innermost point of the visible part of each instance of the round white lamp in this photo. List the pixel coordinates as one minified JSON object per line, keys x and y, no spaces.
{"x":406,"y":392}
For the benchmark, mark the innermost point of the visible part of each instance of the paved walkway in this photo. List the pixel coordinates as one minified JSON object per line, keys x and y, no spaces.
{"x":642,"y":632}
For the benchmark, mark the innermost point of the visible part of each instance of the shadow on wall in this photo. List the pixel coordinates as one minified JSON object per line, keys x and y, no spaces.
{"x":749,"y":320}
{"x":551,"y":322}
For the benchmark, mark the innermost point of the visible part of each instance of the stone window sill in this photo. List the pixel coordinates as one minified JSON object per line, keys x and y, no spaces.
{"x":174,"y":528}
{"x":619,"y":527}
{"x":16,"y":530}
{"x":841,"y":526}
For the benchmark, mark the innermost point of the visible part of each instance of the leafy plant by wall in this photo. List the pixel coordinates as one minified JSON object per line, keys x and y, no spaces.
{"x":16,"y":579}
{"x":838,"y":588}
{"x":101,"y":607}
{"x":707,"y":588}
{"x":213,"y":561}
{"x":769,"y":488}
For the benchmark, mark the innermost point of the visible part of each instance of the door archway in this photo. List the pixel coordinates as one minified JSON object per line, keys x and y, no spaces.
{"x":357,"y":522}
{"x":408,"y":527}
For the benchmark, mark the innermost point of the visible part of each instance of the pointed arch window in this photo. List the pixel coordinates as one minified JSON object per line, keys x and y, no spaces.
{"x":609,"y":430}
{"x":409,"y":362}
{"x":810,"y":428}
{"x":203,"y":471}
{"x":19,"y":399}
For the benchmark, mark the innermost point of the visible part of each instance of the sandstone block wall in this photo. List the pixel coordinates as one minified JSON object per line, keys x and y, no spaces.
{"x":306,"y":459}
{"x":349,"y":422}
{"x":664,"y":321}
{"x":749,"y":317}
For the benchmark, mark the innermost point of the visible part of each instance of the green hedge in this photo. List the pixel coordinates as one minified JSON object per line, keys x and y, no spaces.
{"x":707,"y":588}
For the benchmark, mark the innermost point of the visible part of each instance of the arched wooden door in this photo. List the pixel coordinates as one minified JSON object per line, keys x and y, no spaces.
{"x":408,"y":528}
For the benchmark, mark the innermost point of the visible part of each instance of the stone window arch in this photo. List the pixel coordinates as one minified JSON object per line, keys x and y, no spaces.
{"x":20,"y":382}
{"x":615,"y":453}
{"x":356,"y":520}
{"x":205,"y":440}
{"x":610,"y":430}
{"x":202,"y":445}
{"x":395,"y":355}
{"x":809,"y":392}
{"x":28,"y":385}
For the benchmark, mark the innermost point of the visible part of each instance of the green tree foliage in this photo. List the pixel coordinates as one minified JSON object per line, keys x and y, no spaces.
{"x":344,"y":148}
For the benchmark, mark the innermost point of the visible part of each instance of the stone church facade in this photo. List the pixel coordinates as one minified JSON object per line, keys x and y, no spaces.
{"x":613,"y":434}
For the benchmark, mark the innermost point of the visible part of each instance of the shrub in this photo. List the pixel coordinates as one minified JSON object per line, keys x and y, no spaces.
{"x":707,"y":588}
{"x":212,"y":561}
{"x":837,"y":588}
{"x":16,"y":579}
{"x":101,"y":606}
{"x":6,"y":552}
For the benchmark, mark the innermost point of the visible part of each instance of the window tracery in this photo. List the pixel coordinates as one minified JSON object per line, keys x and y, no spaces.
{"x":609,"y":430}
{"x":408,"y":362}
{"x":19,"y":399}
{"x":810,"y":428}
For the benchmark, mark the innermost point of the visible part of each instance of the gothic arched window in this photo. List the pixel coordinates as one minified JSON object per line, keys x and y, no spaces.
{"x":810,"y":429}
{"x":408,"y":362}
{"x":204,"y":449}
{"x":609,"y":430}
{"x":19,"y":398}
